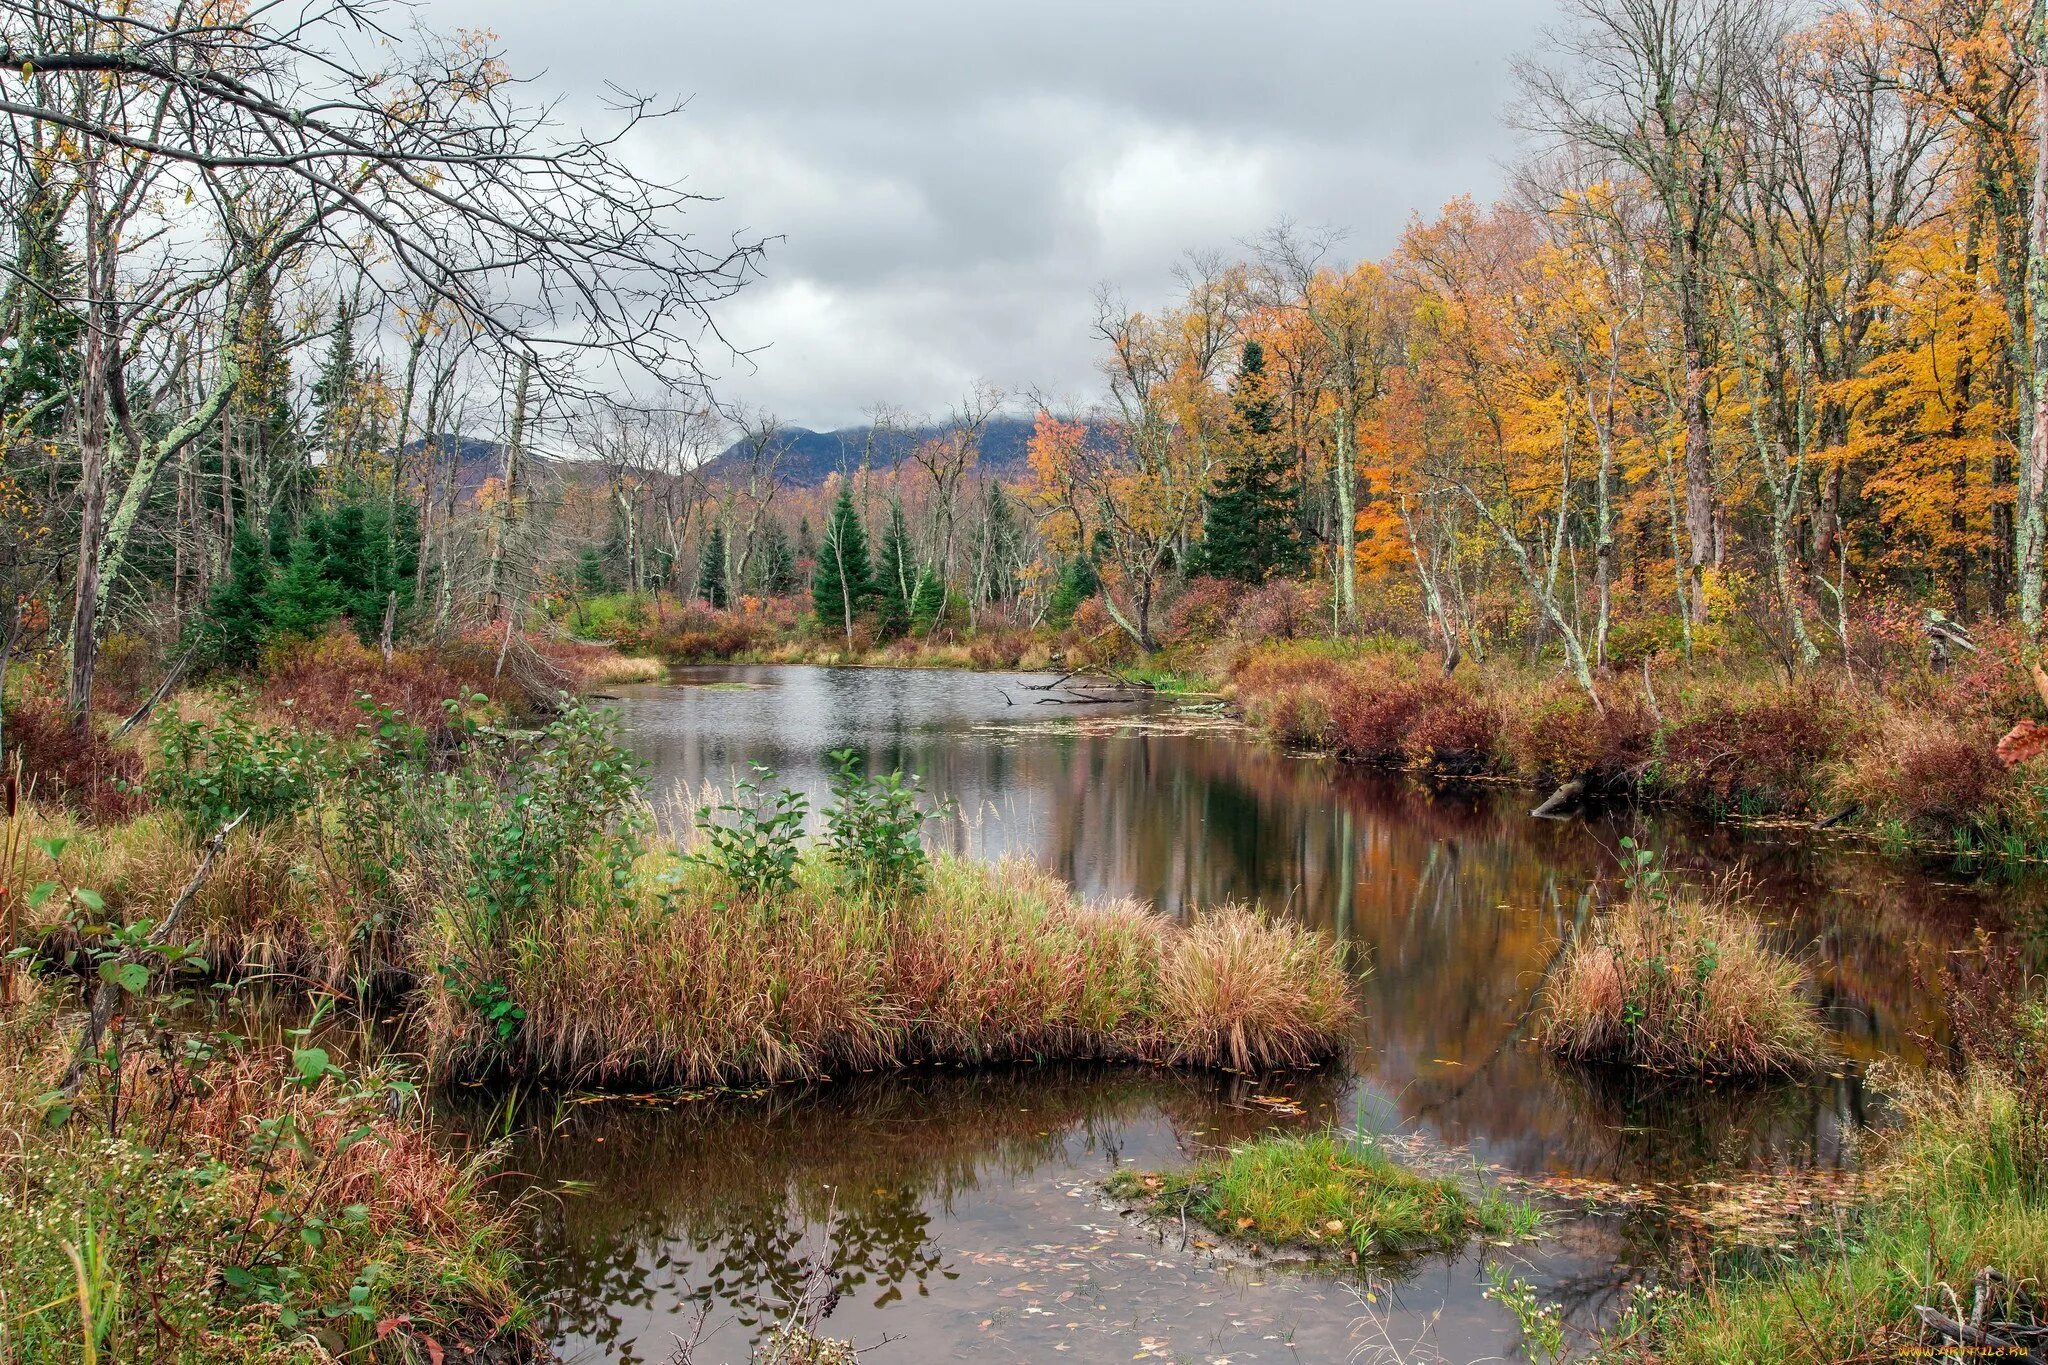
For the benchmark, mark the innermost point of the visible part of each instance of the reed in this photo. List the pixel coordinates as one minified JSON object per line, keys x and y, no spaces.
{"x":1681,"y":983}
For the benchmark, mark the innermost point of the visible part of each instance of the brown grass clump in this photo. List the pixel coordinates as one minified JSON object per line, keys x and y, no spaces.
{"x":1242,"y":992}
{"x":1926,"y":771}
{"x":678,"y":980}
{"x":1683,"y":984}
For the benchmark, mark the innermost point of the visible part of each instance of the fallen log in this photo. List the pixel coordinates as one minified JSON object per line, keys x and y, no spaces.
{"x":1566,"y":795}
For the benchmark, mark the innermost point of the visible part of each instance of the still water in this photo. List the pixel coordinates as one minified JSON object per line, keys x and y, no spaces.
{"x":959,"y":1210}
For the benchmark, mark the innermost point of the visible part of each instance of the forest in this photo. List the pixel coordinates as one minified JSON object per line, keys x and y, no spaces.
{"x":359,"y":439}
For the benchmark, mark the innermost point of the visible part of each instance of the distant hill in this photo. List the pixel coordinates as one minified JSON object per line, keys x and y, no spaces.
{"x":812,"y":456}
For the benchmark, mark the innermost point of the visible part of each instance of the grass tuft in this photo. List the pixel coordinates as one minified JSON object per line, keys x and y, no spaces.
{"x":1323,"y":1193}
{"x":1681,"y":984}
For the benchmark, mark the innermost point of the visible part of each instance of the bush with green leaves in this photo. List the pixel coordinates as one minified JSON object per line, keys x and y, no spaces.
{"x":209,"y":772}
{"x":754,"y":840}
{"x":871,"y":829}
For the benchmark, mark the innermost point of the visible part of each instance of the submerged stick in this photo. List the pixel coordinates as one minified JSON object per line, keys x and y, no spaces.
{"x":1559,"y":799}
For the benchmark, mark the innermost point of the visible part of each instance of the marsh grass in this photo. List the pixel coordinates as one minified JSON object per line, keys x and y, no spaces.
{"x":241,"y":1202}
{"x":1681,"y":982}
{"x":664,"y":975}
{"x":1324,"y":1193}
{"x":1960,"y":1223}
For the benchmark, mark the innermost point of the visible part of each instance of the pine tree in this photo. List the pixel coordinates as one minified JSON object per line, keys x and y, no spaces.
{"x":896,"y":579}
{"x":333,"y":393}
{"x":711,"y":585}
{"x":237,"y":611}
{"x":39,"y":332}
{"x":590,"y":572}
{"x":843,"y":581}
{"x":1251,"y":527}
{"x":1077,"y":584}
{"x":998,"y":545}
{"x":302,"y":600}
{"x":778,"y":562}
{"x":927,"y":603}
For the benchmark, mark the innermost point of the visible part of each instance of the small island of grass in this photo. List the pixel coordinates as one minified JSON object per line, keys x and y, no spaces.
{"x":1323,"y":1194}
{"x":1682,"y":983}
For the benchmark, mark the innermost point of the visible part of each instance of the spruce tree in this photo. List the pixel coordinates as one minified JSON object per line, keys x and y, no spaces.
{"x":927,"y":603}
{"x":895,"y":576}
{"x":590,"y":572}
{"x":1077,"y":584}
{"x":778,"y":562}
{"x":237,"y":611}
{"x":302,"y":599}
{"x":711,"y":585}
{"x":843,"y":580}
{"x":39,"y":355}
{"x":1251,"y":526}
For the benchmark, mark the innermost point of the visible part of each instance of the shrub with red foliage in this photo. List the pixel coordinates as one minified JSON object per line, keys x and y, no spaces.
{"x":1279,"y":610}
{"x":319,"y":682}
{"x":81,"y":769}
{"x":1928,"y":772}
{"x":1555,"y":733}
{"x":1454,"y":730}
{"x":1204,"y":611}
{"x":1764,"y":748}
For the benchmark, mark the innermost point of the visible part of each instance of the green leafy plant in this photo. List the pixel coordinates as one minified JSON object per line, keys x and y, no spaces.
{"x":754,"y":840}
{"x":871,"y":829}
{"x":213,"y":771}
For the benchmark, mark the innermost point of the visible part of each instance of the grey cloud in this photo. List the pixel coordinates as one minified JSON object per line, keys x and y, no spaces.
{"x":950,"y":180}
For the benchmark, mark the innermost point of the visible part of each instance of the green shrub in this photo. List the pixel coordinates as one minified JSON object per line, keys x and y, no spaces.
{"x":871,"y":829}
{"x":211,"y":771}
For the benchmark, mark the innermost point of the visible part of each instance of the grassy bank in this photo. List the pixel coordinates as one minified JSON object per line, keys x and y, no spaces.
{"x":201,"y":1198}
{"x":1679,"y":981}
{"x":670,"y":975}
{"x":1962,"y":1229}
{"x":1912,"y":758}
{"x":1322,"y":1194}
{"x":511,"y":894}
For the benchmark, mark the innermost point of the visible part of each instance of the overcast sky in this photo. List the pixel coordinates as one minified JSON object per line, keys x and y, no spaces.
{"x":950,"y":179}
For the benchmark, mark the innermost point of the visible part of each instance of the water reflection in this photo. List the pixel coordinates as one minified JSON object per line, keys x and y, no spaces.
{"x":1457,"y":901}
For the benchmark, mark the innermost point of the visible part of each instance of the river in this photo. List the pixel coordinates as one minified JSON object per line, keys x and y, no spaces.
{"x":959,"y":1210}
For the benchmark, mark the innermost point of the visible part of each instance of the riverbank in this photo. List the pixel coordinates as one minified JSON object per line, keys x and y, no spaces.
{"x":512,"y":895}
{"x":203,"y":1196}
{"x":1951,"y":1255}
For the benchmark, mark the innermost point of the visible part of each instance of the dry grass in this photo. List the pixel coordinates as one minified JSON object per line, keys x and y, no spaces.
{"x":678,"y":981}
{"x":1684,"y":985}
{"x":234,"y":1209}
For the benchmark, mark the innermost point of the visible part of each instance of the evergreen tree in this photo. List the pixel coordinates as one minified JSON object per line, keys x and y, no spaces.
{"x":778,"y":562}
{"x":1077,"y":584}
{"x":237,"y":611}
{"x":711,"y":585}
{"x":590,"y":572}
{"x":1251,"y":527}
{"x":333,"y":392}
{"x":927,"y":603}
{"x":302,"y":600}
{"x":806,"y":540}
{"x":39,"y":333}
{"x":895,"y":575}
{"x":1000,"y":539}
{"x":843,"y":580}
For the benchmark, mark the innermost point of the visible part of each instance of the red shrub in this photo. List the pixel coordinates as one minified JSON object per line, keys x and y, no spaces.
{"x":1280,"y":610}
{"x":81,"y":770}
{"x":1556,"y":733}
{"x":1453,"y":730}
{"x":1928,"y":772}
{"x":1763,"y":749}
{"x":319,"y":682}
{"x":1204,"y":610}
